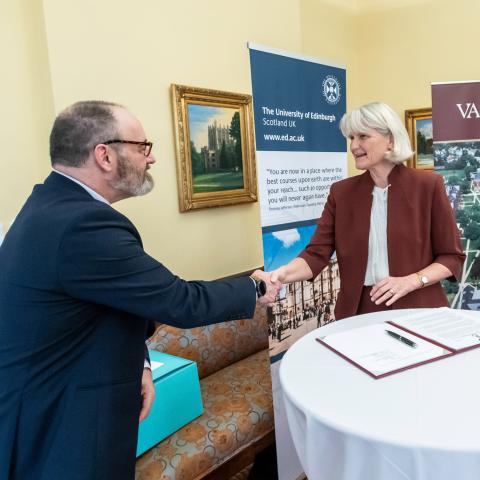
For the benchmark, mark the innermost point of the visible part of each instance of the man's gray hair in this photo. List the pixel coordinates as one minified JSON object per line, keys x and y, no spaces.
{"x":80,"y":127}
{"x":380,"y":117}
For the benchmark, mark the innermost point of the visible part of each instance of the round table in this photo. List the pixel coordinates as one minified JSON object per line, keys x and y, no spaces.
{"x":419,"y":424}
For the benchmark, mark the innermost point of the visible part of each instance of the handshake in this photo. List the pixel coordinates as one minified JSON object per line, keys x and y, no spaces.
{"x":273,"y":284}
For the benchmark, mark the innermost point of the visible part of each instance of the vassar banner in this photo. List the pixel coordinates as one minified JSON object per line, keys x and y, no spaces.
{"x":456,"y":152}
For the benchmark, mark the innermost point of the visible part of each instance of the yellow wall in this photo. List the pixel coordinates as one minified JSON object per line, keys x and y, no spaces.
{"x":130,"y":52}
{"x":55,"y":52}
{"x":26,"y":106}
{"x":408,"y":44}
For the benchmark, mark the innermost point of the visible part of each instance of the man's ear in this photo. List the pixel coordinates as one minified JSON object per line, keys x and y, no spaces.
{"x":101,"y":157}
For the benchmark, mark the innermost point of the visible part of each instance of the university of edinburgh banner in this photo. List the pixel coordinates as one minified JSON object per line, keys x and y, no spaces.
{"x":298,"y":104}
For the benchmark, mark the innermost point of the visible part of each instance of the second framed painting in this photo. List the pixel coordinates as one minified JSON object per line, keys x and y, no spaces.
{"x":418,"y":122}
{"x":214,"y":146}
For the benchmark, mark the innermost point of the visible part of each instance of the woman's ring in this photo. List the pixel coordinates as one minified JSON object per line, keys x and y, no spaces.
{"x":392,"y":292}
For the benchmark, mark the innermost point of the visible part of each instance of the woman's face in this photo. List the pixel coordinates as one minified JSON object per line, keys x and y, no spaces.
{"x":369,"y":148}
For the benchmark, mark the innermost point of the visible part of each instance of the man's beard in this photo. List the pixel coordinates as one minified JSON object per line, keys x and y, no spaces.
{"x":132,"y":181}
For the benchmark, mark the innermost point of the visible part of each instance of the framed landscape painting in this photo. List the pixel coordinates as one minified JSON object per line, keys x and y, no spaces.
{"x":419,"y":127}
{"x":214,"y":147}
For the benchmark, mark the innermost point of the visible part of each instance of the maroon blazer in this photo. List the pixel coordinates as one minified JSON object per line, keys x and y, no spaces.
{"x":421,"y":229}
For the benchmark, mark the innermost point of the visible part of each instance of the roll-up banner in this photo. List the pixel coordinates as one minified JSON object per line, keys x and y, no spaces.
{"x":298,"y":103}
{"x":456,"y":156}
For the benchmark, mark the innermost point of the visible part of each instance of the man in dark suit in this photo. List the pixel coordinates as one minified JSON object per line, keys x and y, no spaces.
{"x":78,"y":296}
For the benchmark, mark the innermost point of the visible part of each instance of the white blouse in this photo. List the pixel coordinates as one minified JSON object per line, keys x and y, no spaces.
{"x":377,"y":263}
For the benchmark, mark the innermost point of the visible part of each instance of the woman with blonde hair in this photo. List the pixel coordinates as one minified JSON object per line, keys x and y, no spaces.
{"x":392,"y":227}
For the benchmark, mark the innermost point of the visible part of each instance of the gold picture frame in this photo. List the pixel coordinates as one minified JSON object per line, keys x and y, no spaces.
{"x":418,"y":122}
{"x":215,"y":147}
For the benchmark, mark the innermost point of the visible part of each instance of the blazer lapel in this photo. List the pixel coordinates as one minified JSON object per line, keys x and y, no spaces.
{"x":397,"y":202}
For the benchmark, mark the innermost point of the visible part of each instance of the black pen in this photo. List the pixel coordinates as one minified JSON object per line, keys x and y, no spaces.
{"x":404,"y":340}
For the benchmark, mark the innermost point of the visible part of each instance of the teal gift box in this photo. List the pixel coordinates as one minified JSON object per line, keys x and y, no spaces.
{"x":177,"y":399}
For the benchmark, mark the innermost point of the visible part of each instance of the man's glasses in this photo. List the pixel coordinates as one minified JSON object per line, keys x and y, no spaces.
{"x":147,"y":145}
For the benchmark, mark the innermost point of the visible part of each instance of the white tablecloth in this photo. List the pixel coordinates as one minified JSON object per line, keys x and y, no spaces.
{"x":420,"y":424}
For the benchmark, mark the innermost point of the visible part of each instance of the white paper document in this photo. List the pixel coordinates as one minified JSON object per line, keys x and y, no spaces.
{"x":383,"y":348}
{"x":454,"y":329}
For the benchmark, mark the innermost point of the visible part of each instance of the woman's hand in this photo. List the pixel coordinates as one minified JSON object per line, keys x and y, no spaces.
{"x":279,"y":275}
{"x":294,"y":271}
{"x":390,"y":289}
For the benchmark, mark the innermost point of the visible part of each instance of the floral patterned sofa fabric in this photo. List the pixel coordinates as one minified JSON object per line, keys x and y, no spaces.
{"x":238,"y":411}
{"x":215,"y":346}
{"x":234,"y":367}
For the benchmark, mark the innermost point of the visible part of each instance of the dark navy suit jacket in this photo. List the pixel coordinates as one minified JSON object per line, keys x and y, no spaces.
{"x":77,"y":295}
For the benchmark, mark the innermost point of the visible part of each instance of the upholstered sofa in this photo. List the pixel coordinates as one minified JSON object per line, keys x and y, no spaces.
{"x":237,"y":422}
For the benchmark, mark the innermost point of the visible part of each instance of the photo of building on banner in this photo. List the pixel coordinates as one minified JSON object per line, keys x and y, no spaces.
{"x":300,"y":306}
{"x":456,"y":150}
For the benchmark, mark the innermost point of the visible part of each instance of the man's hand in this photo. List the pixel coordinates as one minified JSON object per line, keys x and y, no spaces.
{"x":148,"y":393}
{"x":272,"y":287}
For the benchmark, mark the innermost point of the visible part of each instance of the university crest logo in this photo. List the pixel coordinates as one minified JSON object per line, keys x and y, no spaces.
{"x":331,"y":90}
